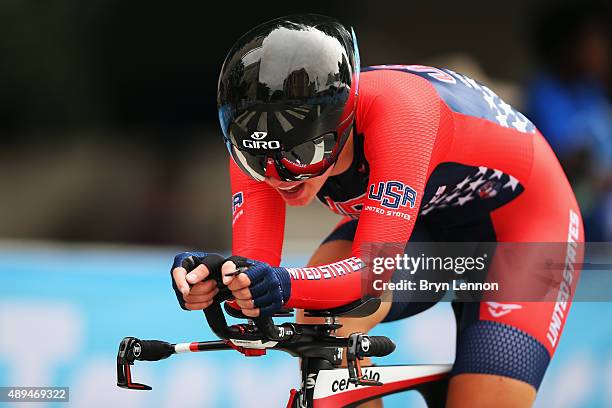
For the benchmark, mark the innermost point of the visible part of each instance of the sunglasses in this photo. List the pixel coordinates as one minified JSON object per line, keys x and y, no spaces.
{"x":304,"y":161}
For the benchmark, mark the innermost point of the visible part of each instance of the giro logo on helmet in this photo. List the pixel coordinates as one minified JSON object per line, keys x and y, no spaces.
{"x":259,"y":135}
{"x":258,"y":143}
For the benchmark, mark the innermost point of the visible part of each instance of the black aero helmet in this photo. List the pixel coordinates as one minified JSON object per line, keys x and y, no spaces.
{"x":287,"y":96}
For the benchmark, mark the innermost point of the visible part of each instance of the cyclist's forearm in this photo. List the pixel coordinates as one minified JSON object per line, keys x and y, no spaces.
{"x":326,"y":286}
{"x":258,"y":219}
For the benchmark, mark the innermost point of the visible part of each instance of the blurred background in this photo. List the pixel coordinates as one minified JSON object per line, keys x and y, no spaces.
{"x":111,"y":153}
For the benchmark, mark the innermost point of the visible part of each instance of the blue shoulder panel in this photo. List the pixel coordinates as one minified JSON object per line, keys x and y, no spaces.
{"x":464,"y":95}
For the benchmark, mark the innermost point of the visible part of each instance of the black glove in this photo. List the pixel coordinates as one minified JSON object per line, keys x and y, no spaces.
{"x":189,"y":261}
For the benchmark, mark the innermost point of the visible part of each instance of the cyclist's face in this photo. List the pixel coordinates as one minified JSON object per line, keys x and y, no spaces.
{"x":300,"y":193}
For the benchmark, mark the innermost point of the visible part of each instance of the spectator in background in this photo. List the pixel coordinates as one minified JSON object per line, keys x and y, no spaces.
{"x":567,"y":100}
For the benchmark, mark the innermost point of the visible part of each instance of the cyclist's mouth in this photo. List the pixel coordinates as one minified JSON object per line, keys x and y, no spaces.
{"x":291,"y":191}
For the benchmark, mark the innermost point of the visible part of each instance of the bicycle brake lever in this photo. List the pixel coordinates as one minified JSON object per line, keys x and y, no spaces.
{"x":354,"y":353}
{"x":357,"y":377}
{"x":128,"y":347}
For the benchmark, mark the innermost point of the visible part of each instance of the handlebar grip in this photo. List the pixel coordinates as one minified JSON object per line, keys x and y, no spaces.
{"x":153,"y":350}
{"x":380,"y":346}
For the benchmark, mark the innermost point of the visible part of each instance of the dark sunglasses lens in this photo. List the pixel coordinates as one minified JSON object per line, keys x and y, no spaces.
{"x":312,"y":152}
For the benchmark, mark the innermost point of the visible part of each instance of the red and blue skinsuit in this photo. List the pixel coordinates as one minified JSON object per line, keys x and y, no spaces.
{"x":432,"y":144}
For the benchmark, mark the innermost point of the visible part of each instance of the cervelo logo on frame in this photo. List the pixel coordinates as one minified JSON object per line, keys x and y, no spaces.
{"x":259,"y":143}
{"x":344,"y":384}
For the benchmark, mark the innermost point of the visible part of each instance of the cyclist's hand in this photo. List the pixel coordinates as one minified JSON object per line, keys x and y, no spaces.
{"x":190,"y":271}
{"x":261,"y":290}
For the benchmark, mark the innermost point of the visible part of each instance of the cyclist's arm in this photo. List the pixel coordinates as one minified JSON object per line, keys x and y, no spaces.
{"x":401,"y":128}
{"x":258,"y":218}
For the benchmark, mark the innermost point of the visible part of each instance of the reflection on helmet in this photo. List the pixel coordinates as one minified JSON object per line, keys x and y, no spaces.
{"x":287,"y":95}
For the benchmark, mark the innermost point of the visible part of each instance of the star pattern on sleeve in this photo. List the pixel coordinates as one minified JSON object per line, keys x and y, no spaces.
{"x":483,"y":183}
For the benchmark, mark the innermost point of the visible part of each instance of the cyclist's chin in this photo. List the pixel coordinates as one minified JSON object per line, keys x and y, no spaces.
{"x":306,"y":191}
{"x":303,"y":198}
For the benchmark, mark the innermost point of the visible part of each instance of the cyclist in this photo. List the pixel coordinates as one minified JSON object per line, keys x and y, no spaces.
{"x":403,"y":152}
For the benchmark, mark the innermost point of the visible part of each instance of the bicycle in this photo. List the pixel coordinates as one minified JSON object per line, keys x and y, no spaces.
{"x":324,"y":383}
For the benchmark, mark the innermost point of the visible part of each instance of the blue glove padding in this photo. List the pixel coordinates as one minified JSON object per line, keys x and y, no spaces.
{"x":270,"y":287}
{"x":189,"y":261}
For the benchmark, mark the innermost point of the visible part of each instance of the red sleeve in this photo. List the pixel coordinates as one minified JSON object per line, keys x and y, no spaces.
{"x":258,"y":218}
{"x":402,"y":119}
